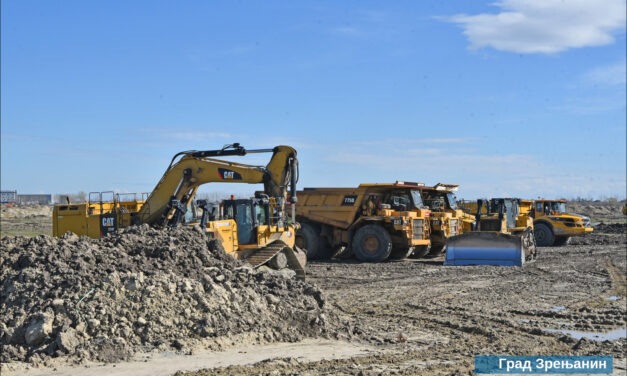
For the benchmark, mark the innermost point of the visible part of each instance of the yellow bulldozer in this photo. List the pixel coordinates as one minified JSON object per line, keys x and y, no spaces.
{"x":553,"y":225}
{"x":258,"y":230}
{"x":502,"y":235}
{"x":373,"y":222}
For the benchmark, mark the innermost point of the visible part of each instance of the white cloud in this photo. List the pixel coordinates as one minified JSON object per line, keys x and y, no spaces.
{"x":544,"y":26}
{"x":613,"y":74}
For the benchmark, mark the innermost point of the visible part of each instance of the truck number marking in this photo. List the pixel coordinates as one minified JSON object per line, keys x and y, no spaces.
{"x":349,"y":200}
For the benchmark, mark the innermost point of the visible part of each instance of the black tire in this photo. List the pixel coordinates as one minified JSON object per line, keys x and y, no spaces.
{"x":562,"y":240}
{"x":544,"y":236}
{"x":420,"y":251}
{"x":437,"y":250}
{"x":308,"y":239}
{"x":372,"y":243}
{"x":401,"y":253}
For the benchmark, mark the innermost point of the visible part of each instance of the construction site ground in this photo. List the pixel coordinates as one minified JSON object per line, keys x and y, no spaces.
{"x":420,"y":317}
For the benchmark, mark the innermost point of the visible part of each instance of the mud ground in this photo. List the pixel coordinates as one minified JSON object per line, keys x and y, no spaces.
{"x":420,"y":317}
{"x":430,"y":319}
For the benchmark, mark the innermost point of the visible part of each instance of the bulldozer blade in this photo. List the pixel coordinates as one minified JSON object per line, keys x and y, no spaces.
{"x":485,"y":248}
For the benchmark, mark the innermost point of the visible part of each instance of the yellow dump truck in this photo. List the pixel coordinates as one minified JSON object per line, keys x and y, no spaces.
{"x":373,"y":222}
{"x":553,"y":225}
{"x":446,"y":219}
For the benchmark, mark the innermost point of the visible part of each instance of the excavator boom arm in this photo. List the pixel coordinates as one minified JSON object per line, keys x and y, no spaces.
{"x":182,"y":179}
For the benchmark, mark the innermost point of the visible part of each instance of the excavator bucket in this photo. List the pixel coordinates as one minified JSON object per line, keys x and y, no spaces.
{"x":486,"y":248}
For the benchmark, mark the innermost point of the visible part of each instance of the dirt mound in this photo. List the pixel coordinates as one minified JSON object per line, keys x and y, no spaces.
{"x":26,"y":211}
{"x":143,"y":289}
{"x":598,"y":210}
{"x":611,"y":228}
{"x":604,"y":234}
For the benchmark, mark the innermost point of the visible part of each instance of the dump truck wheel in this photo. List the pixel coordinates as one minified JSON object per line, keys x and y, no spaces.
{"x":562,"y":240}
{"x":279,"y":261}
{"x":372,"y":243}
{"x":544,"y":235}
{"x":307,"y":238}
{"x":420,"y":251}
{"x":401,"y":253}
{"x":437,"y":250}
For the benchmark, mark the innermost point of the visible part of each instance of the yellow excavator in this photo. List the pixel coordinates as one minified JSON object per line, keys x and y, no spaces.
{"x":258,"y":230}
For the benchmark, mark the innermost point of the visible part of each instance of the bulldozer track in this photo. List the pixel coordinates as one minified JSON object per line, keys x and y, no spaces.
{"x":265,"y":254}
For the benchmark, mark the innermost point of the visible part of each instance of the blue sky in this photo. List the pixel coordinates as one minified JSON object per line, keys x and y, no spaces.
{"x":516,"y":98}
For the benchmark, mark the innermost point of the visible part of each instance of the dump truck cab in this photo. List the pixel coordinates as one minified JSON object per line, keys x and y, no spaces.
{"x":554,"y":225}
{"x":373,"y":222}
{"x":446,"y":218}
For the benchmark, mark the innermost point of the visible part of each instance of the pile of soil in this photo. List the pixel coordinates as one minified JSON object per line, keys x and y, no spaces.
{"x":611,"y":228}
{"x":26,"y":211}
{"x":598,"y":210}
{"x":143,"y":289}
{"x":604,"y":234}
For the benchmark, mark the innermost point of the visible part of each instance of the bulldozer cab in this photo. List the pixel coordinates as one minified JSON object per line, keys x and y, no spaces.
{"x":508,"y":208}
{"x":249,"y":214}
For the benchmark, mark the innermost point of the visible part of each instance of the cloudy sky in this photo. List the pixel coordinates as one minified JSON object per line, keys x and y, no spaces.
{"x":516,"y":98}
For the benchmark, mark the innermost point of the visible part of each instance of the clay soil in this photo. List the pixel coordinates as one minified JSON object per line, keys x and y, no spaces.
{"x":420,"y":317}
{"x":429,"y":319}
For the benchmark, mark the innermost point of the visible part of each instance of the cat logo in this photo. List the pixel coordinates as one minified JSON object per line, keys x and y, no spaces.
{"x":226,"y":174}
{"x":349,"y":200}
{"x":108,"y":222}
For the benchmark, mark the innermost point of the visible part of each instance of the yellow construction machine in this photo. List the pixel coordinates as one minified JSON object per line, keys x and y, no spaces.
{"x":258,"y":229}
{"x":502,"y":235}
{"x":373,"y":222}
{"x":446,"y":219}
{"x":553,"y":225}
